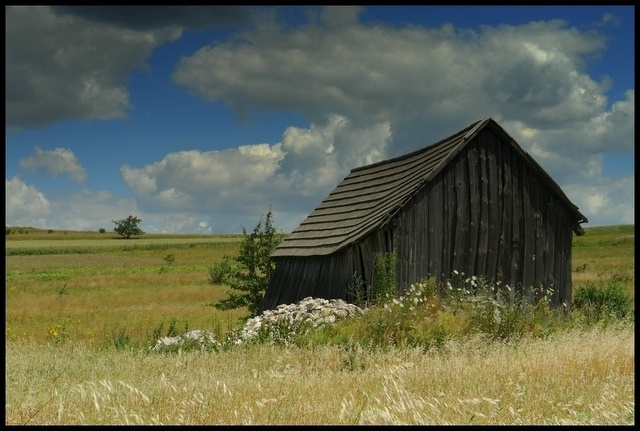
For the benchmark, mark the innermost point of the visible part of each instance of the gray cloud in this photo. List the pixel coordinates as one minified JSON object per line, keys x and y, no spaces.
{"x":154,"y":17}
{"x":78,"y":63}
{"x":369,"y":92}
{"x":534,"y":74}
{"x":68,"y":68}
{"x":426,"y":83}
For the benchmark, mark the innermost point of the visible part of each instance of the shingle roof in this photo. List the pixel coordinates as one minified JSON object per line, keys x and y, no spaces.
{"x":370,"y":195}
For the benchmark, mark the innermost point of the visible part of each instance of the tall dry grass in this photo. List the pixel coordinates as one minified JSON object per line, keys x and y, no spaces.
{"x":574,"y":377}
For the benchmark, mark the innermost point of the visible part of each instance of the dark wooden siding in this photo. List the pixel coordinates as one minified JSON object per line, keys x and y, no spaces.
{"x":329,"y":277}
{"x":474,"y":202}
{"x":488,"y":215}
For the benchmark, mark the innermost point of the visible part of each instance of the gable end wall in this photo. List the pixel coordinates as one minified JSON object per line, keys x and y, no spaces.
{"x":486,"y":214}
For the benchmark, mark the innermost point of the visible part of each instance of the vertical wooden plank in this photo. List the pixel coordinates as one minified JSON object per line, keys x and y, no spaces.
{"x":563,"y":261}
{"x":495,"y":210}
{"x":538,"y":225}
{"x":304,"y":285}
{"x":423,"y":248}
{"x":436,"y":229}
{"x":528,"y":235}
{"x":505,"y":243}
{"x":329,"y":277}
{"x":483,"y":240}
{"x":416,"y":250}
{"x":403,"y":262}
{"x":558,"y":275}
{"x":461,"y":241}
{"x":517,"y":245}
{"x":474,"y":207}
{"x":446,"y":225}
{"x":551,"y":225}
{"x":451,"y":223}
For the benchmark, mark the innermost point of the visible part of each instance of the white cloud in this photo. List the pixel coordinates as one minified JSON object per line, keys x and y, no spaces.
{"x":83,"y":210}
{"x":25,"y":205}
{"x":59,"y":161}
{"x":317,"y":158}
{"x":423,"y":84}
{"x":369,"y":92}
{"x":221,"y":181}
{"x":293,"y":174}
{"x":604,"y":202}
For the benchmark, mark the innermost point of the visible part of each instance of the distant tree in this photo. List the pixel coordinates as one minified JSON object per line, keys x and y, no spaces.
{"x":248,"y":274}
{"x":128,"y":227}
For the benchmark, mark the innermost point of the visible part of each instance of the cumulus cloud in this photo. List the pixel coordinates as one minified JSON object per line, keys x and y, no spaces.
{"x":603,"y":200}
{"x":195,"y":180}
{"x":422,"y":84}
{"x":533,"y":73}
{"x":55,"y":74}
{"x":369,"y":92}
{"x":60,"y":161}
{"x":82,"y":210}
{"x":24,"y":204}
{"x":293,"y":174}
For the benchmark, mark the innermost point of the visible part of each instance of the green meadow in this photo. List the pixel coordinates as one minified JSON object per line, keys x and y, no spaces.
{"x":88,"y":286}
{"x":81,"y":309}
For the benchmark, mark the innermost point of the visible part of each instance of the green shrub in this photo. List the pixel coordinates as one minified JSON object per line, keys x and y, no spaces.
{"x":429,"y":314}
{"x":121,"y":340}
{"x":248,"y":274}
{"x":596,"y":302}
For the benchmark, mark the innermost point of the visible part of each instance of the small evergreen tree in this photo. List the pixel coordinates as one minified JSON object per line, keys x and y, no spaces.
{"x":248,"y":273}
{"x":128,"y":227}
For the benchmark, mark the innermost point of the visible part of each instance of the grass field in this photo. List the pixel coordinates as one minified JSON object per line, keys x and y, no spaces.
{"x":90,"y":288}
{"x":70,"y":296}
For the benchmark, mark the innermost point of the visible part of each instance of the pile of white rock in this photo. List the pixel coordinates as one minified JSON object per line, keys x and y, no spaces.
{"x":286,"y":319}
{"x":204,"y":339}
{"x":281,"y":324}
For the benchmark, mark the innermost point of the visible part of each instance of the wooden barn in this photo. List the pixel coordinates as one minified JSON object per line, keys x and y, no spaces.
{"x":474,"y":202}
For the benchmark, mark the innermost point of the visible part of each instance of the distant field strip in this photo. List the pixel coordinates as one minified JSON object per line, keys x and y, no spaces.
{"x":57,"y":246}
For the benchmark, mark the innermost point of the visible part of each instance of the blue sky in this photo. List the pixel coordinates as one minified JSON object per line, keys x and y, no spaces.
{"x":199,"y":119}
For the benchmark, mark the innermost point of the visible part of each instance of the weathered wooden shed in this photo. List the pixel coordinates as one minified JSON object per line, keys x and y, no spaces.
{"x":474,"y":202}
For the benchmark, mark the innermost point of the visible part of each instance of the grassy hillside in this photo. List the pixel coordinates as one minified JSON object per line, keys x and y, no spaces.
{"x":602,"y":252}
{"x":93,"y":285}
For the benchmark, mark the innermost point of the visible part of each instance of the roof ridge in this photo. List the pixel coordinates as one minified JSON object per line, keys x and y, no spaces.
{"x":467,"y":131}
